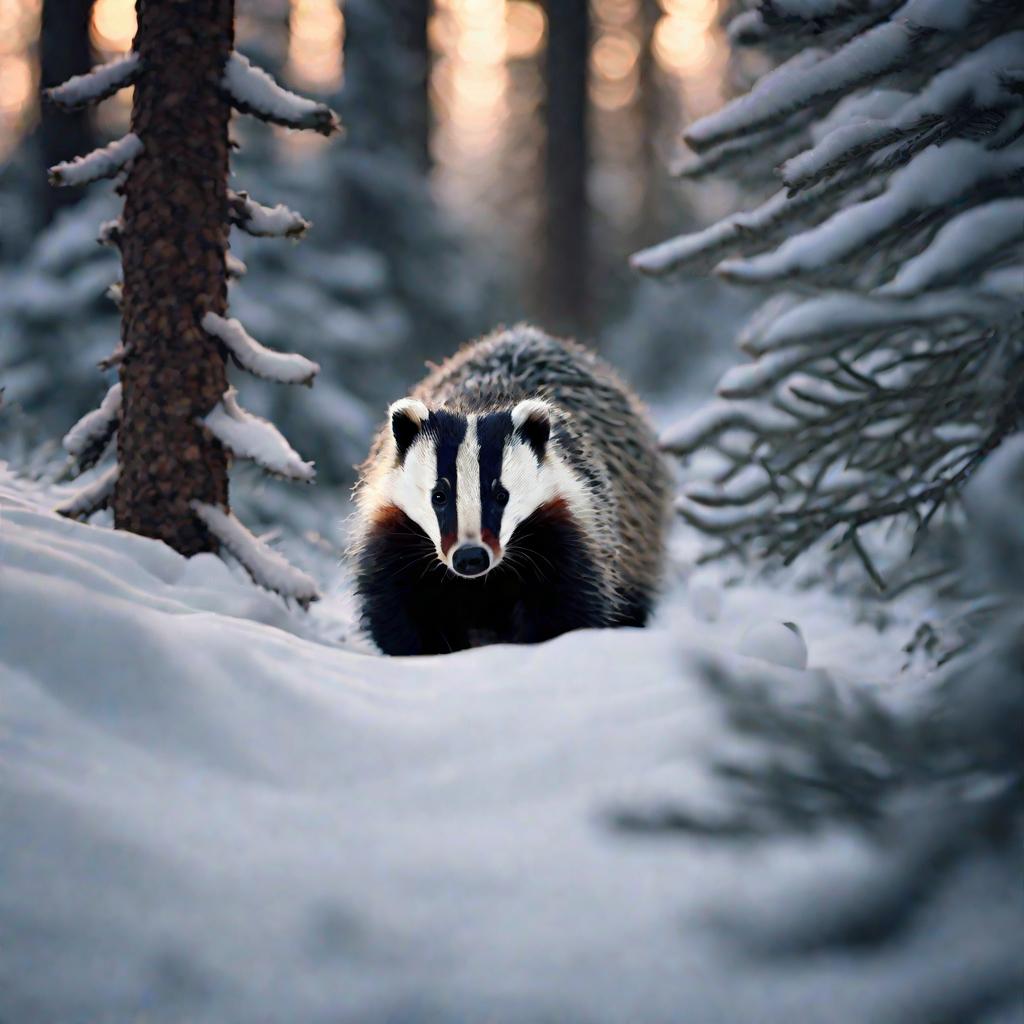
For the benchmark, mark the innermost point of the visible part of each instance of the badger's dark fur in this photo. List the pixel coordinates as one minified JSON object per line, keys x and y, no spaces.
{"x":518,"y":493}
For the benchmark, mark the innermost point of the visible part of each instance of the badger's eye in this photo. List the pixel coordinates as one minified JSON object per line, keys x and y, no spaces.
{"x":500,"y":494}
{"x":439,"y":495}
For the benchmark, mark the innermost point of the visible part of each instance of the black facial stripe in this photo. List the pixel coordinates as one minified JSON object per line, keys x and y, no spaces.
{"x":492,"y":431}
{"x":448,"y":430}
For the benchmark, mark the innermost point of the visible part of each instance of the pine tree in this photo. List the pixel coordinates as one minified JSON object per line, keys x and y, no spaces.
{"x":176,"y":419}
{"x":894,"y":363}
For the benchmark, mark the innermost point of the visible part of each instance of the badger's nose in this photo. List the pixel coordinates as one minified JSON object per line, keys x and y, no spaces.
{"x":471,"y":560}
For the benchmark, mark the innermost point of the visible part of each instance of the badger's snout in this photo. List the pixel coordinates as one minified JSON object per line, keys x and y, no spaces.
{"x":471,"y":560}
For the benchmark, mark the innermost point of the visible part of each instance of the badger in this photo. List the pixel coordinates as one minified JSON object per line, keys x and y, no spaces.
{"x":516,"y":494}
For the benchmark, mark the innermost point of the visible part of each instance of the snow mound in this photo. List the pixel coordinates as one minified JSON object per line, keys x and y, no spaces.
{"x":209,"y":814}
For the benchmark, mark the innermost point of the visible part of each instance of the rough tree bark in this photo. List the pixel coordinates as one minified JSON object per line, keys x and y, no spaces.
{"x":566,"y":263}
{"x":173,"y":246}
{"x":64,"y":50}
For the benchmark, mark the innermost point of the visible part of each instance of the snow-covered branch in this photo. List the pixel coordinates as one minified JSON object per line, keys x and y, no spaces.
{"x":100,"y":163}
{"x":902,"y":206}
{"x":266,"y":567}
{"x":265,"y":221}
{"x":110,"y":233}
{"x":99,"y":83}
{"x":930,"y":182}
{"x":282,"y":367}
{"x":253,"y":91}
{"x":234,"y":267}
{"x":88,"y":438}
{"x":252,"y":437}
{"x":91,"y":498}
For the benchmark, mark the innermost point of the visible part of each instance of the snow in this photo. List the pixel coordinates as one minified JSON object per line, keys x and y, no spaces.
{"x":211,"y":815}
{"x":827,"y":316}
{"x":100,"y":163}
{"x":97,"y":427}
{"x":264,"y":565}
{"x":234,"y":266}
{"x":934,"y":178}
{"x":804,"y":79}
{"x":265,"y":221}
{"x":962,"y":246}
{"x":92,"y":497}
{"x":255,"y":92}
{"x":977,"y":80}
{"x":674,"y":253}
{"x":97,"y":84}
{"x":110,"y":232}
{"x":720,"y":415}
{"x":778,"y":643}
{"x":282,"y":367}
{"x":251,"y":437}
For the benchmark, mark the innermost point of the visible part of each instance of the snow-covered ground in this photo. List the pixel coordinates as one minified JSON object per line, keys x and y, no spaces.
{"x":211,"y":810}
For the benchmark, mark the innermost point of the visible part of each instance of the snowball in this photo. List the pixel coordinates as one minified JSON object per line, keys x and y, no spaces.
{"x":778,"y":643}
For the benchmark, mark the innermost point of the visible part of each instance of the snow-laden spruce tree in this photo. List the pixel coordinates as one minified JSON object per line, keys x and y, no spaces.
{"x":175,"y":416}
{"x":918,"y":809}
{"x":889,"y":361}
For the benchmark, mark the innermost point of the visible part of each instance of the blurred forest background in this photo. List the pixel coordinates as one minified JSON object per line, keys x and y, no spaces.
{"x":502,"y":159}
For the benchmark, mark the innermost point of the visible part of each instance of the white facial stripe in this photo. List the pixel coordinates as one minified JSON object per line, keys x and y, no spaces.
{"x":411,"y":485}
{"x":530,"y":486}
{"x":467,"y":471}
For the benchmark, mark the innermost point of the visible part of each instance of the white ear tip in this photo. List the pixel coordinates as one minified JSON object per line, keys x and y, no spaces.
{"x":530,"y":408}
{"x":412,"y":407}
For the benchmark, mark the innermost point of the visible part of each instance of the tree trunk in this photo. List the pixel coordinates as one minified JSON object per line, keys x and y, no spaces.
{"x":173,"y":251}
{"x":566,"y":257}
{"x":412,"y":17}
{"x":64,"y":50}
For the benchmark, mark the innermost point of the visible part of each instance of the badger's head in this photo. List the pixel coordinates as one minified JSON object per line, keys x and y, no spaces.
{"x":469,"y":480}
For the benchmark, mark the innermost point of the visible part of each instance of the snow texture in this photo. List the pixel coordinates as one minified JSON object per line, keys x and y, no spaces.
{"x":212,"y":816}
{"x":778,"y":643}
{"x":100,"y":163}
{"x":800,"y":82}
{"x":97,"y":84}
{"x":282,"y":367}
{"x":234,"y":266}
{"x":110,"y":232}
{"x":95,"y":428}
{"x":92,"y":497}
{"x":978,"y":81}
{"x":833,"y":315}
{"x":252,"y":437}
{"x":932,"y":180}
{"x":260,"y":561}
{"x":253,"y":91}
{"x":693,"y":430}
{"x":963,"y":246}
{"x":265,"y":221}
{"x":671,"y":255}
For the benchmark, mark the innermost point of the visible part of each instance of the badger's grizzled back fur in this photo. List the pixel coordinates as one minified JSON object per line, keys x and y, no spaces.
{"x":518,"y":493}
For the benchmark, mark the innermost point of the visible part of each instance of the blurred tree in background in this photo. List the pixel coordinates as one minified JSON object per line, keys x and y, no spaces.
{"x":64,"y":50}
{"x":432,"y":223}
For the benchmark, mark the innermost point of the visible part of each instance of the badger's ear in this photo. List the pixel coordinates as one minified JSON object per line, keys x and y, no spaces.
{"x":407,"y":417}
{"x":532,"y":420}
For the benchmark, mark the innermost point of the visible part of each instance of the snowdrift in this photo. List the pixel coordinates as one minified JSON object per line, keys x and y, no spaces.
{"x":210,"y":813}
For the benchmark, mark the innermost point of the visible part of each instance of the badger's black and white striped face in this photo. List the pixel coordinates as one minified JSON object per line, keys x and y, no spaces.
{"x":469,"y":480}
